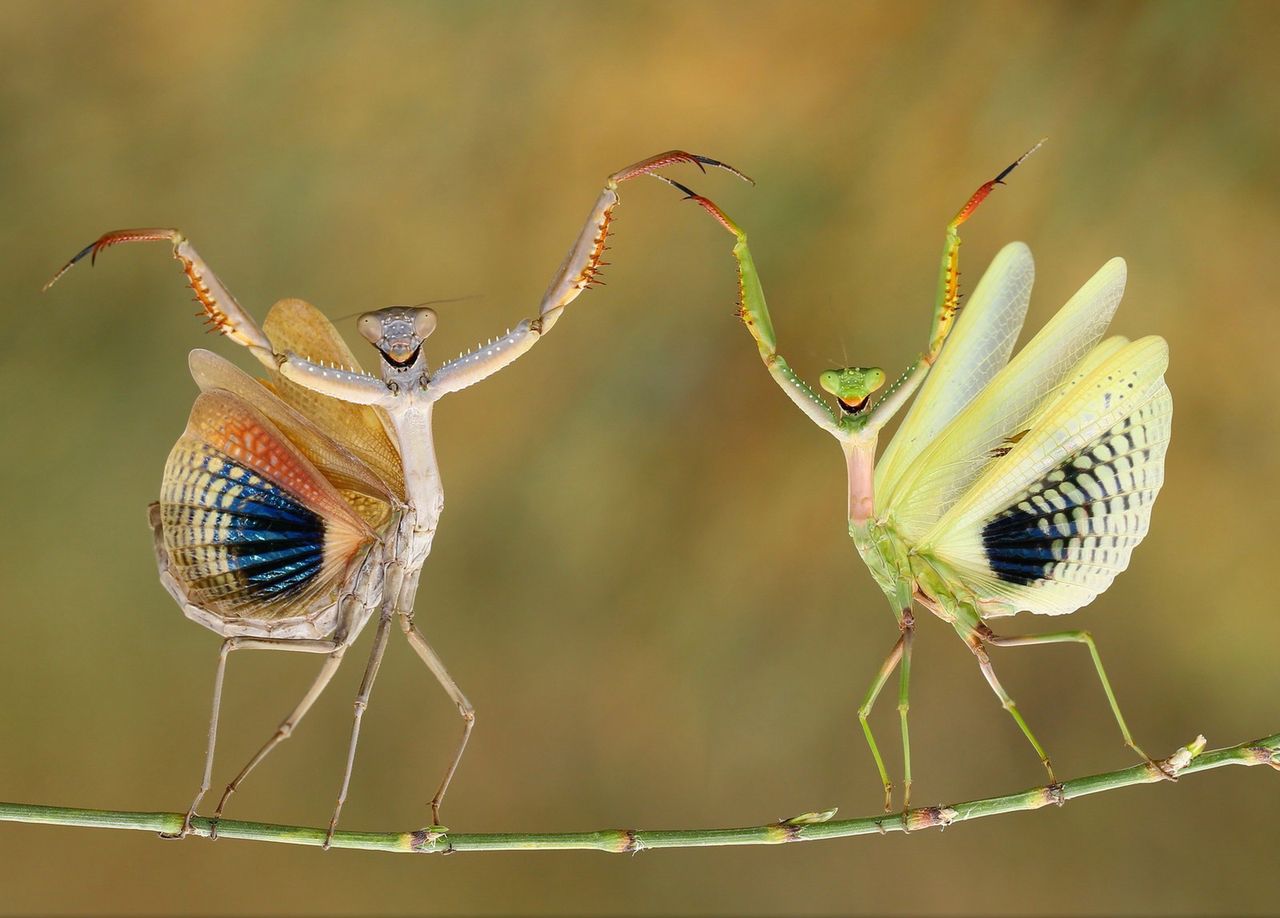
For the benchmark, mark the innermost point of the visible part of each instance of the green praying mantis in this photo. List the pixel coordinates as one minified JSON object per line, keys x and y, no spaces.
{"x":1011,"y":485}
{"x":296,"y":509}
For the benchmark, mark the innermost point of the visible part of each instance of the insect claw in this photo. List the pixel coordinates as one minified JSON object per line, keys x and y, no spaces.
{"x":719,"y":165}
{"x":689,"y":193}
{"x":90,"y":248}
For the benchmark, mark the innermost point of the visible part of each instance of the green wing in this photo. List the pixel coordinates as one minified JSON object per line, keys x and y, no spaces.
{"x":947,"y":468}
{"x":979,"y":346}
{"x":1049,"y":525}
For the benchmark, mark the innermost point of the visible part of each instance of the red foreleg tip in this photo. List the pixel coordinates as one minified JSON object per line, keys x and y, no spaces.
{"x":706,"y":204}
{"x":647,"y":166}
{"x":980,"y":195}
{"x":109,"y":239}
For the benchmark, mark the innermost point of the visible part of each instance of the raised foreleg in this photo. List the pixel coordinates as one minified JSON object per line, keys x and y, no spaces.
{"x":580,"y":270}
{"x":221,"y":310}
{"x":946,"y":304}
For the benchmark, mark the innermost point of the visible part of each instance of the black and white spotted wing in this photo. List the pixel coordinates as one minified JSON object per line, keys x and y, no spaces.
{"x":1052,"y":521}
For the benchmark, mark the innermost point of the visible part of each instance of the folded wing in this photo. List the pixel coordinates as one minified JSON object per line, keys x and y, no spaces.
{"x":998,"y":416}
{"x":297,"y":326}
{"x":978,"y":348}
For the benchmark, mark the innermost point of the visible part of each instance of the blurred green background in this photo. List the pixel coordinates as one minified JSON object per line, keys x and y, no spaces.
{"x":642,"y":579}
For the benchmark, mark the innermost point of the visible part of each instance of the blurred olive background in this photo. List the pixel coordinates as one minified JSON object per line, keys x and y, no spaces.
{"x":642,"y":579}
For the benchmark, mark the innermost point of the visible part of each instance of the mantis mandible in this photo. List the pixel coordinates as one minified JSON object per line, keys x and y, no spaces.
{"x":294,"y":510}
{"x":1010,"y":486}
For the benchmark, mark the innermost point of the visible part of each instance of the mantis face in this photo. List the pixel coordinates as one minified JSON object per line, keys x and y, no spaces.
{"x":398,"y":332}
{"x":852,"y":386}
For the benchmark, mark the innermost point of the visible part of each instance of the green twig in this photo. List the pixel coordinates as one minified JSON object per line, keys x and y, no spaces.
{"x":1188,"y":760}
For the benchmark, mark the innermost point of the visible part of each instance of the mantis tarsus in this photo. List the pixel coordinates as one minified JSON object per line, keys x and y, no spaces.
{"x":1010,"y":486}
{"x":293,"y":510}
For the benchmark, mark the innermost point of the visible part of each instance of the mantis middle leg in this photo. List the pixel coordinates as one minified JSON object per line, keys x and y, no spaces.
{"x":900,"y":654}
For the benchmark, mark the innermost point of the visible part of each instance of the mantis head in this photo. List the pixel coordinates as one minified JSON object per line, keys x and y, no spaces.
{"x":398,"y":332}
{"x":852,"y":386}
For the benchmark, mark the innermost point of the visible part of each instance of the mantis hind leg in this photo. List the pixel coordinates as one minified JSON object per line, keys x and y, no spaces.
{"x":1078,"y":637}
{"x":241,"y":643}
{"x":975,"y":640}
{"x":286,"y":728}
{"x":467,"y":711}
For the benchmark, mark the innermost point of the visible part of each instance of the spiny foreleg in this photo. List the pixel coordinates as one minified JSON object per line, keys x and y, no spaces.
{"x":580,"y":269}
{"x":221,"y":311}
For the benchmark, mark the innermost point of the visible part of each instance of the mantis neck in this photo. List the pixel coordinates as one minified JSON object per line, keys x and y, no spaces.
{"x":860,"y":459}
{"x":423,"y":489}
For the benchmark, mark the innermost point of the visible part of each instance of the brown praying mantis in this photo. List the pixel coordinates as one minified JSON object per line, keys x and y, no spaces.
{"x":1010,"y":486}
{"x":294,"y":509}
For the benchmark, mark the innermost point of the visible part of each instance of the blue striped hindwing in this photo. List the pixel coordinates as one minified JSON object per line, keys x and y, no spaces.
{"x":252,"y":528}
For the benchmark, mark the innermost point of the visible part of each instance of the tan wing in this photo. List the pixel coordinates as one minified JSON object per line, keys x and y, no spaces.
{"x":297,"y":326}
{"x":338,"y":464}
{"x":251,"y":526}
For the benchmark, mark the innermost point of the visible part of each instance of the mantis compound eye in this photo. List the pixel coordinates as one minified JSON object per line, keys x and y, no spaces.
{"x":852,"y":386}
{"x":370,"y":328}
{"x":424,"y":322}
